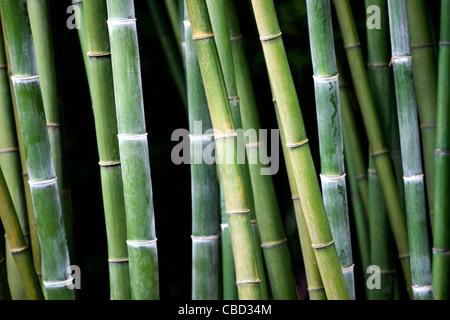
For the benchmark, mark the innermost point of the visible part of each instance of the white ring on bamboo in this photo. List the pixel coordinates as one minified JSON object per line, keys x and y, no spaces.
{"x":25,"y":78}
{"x":238,"y":212}
{"x":205,"y":238}
{"x":239,"y":283}
{"x":129,"y":137}
{"x":272,"y":244}
{"x":421,"y":288}
{"x":223,"y":225}
{"x":98,"y":54}
{"x":378,"y":65}
{"x":444,"y":43}
{"x":201,"y":137}
{"x":141,"y":243}
{"x":322,"y":246}
{"x":441,"y":251}
{"x":118,"y":260}
{"x":225,"y":136}
{"x":271,"y":37}
{"x":413,"y":177}
{"x":315,"y":288}
{"x":18,"y":250}
{"x":53,"y":125}
{"x":348,"y":268}
{"x":58,"y":284}
{"x":332,"y":178}
{"x":8,"y":150}
{"x":239,"y":37}
{"x":442,"y":152}
{"x":121,"y":21}
{"x":42,"y":182}
{"x":233,"y":99}
{"x":393,"y":59}
{"x":109,"y":163}
{"x":352,"y":46}
{"x":296,"y":145}
{"x":404,"y":256}
{"x":326,"y":78}
{"x":203,"y":37}
{"x":295,"y":197}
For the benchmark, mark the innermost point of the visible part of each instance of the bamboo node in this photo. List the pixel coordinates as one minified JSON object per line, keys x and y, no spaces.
{"x":428,"y":126}
{"x":361,"y":176}
{"x":8,"y":150}
{"x":253,"y":221}
{"x":295,"y":197}
{"x":421,"y":288}
{"x":98,"y":54}
{"x":404,"y":256}
{"x":223,"y":225}
{"x":18,"y":250}
{"x":42,"y":182}
{"x":272,"y":244}
{"x":52,"y":125}
{"x":141,"y":243}
{"x":413,"y":177}
{"x":372,"y":172}
{"x":247,"y":282}
{"x":322,"y":245}
{"x":378,"y":65}
{"x":349,"y":268}
{"x":112,"y":21}
{"x":3,"y":66}
{"x":234,"y":99}
{"x":352,"y":46}
{"x":203,"y":37}
{"x":118,"y":260}
{"x":271,"y":37}
{"x":379,"y":153}
{"x":315,"y":288}
{"x":129,"y":137}
{"x":236,"y":38}
{"x":297,"y":145}
{"x":205,"y":238}
{"x":109,"y":163}
{"x":443,"y":152}
{"x":325,"y":78}
{"x":332,"y":178}
{"x":441,"y":251}
{"x":238,"y":212}
{"x":399,"y":58}
{"x":58,"y":284}
{"x":388,"y":272}
{"x":25,"y":78}
{"x":444,"y":43}
{"x":419,"y":46}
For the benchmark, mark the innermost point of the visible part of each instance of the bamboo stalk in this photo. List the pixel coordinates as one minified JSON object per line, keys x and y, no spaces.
{"x":173,"y":12}
{"x":41,"y":28}
{"x":205,"y":195}
{"x":425,"y":85}
{"x":236,"y":202}
{"x":17,"y":244}
{"x":410,"y":147}
{"x":298,"y":149}
{"x":82,"y":34}
{"x":134,"y":153}
{"x":380,"y":153}
{"x":326,"y":85}
{"x":102,"y":95}
{"x":43,"y":184}
{"x":441,"y":240}
{"x":273,"y":237}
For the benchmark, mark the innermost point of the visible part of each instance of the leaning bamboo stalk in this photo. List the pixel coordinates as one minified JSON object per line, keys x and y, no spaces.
{"x":237,"y":208}
{"x":218,"y":17}
{"x":380,"y":154}
{"x":273,"y":238}
{"x":410,"y":148}
{"x":204,"y":188}
{"x":134,"y":153}
{"x":441,"y":232}
{"x":326,"y":86}
{"x":299,"y":152}
{"x":102,"y":95}
{"x":425,"y":85}
{"x":17,"y":244}
{"x":43,"y":182}
{"x":41,"y":28}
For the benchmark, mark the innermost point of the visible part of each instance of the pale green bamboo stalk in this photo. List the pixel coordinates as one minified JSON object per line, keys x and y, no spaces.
{"x":411,"y":153}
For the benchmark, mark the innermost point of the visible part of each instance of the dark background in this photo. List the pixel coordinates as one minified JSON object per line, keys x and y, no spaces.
{"x":164,"y":114}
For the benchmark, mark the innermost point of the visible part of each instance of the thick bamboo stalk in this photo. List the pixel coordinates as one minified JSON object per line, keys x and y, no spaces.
{"x":17,"y":244}
{"x":134,"y":153}
{"x":298,"y":149}
{"x":41,"y":28}
{"x":411,"y":155}
{"x":326,"y":85}
{"x":273,"y":238}
{"x":204,"y":187}
{"x":441,"y":232}
{"x":102,"y":95}
{"x":425,"y":85}
{"x":374,"y":132}
{"x":247,"y":278}
{"x":43,"y":182}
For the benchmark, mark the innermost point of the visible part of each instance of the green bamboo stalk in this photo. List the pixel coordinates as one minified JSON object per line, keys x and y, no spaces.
{"x":173,"y":56}
{"x":218,"y":16}
{"x":298,"y":149}
{"x":82,"y":34}
{"x":315,"y":287}
{"x":380,"y":78}
{"x":102,"y":95}
{"x":134,"y":153}
{"x":380,"y":153}
{"x":273,"y":237}
{"x":43,"y":184}
{"x":41,"y":28}
{"x":326,"y":86}
{"x":17,"y":244}
{"x":410,"y":148}
{"x":441,"y":240}
{"x":173,"y":12}
{"x":231,"y":172}
{"x":204,"y":188}
{"x":425,"y":85}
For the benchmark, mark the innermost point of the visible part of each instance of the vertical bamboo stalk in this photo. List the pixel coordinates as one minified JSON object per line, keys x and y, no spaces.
{"x":441,"y":232}
{"x":298,"y":149}
{"x":236,"y":202}
{"x":326,"y":86}
{"x":410,"y":147}
{"x":102,"y":95}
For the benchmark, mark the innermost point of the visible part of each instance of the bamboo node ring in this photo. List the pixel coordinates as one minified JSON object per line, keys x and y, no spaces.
{"x":128,"y":137}
{"x":352,"y":46}
{"x":361,"y":176}
{"x":419,"y":46}
{"x":349,"y":268}
{"x":3,"y":66}
{"x":141,"y":243}
{"x":388,"y":272}
{"x":413,"y":177}
{"x":372,"y":172}
{"x":332,"y":178}
{"x":271,"y":37}
{"x":441,"y":251}
{"x":404,"y":256}
{"x":238,"y":212}
{"x":223,"y":225}
{"x":315,"y":288}
{"x":272,"y":244}
{"x":254,"y":221}
{"x":253,"y":145}
{"x":118,"y":260}
{"x":444,"y":43}
{"x":8,"y":150}
{"x":236,"y":38}
{"x":57,"y":284}
{"x":247,"y":282}
{"x":322,"y":246}
{"x":203,"y":37}
{"x":325,"y":79}
{"x":52,"y":125}
{"x":234,"y":99}
{"x":98,"y":54}
{"x":443,"y":152}
{"x":428,"y":126}
{"x":421,"y":288}
{"x":380,"y":153}
{"x":378,"y":65}
{"x":399,"y":58}
{"x":18,"y":250}
{"x":296,"y":145}
{"x":295,"y":197}
{"x":205,"y":238}
{"x":25,"y":78}
{"x":109,"y":163}
{"x":112,"y":21}
{"x":42,"y":182}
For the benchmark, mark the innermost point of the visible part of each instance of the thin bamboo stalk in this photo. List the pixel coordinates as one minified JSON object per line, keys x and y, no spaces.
{"x":204,"y":188}
{"x":17,"y":244}
{"x":43,"y":184}
{"x":326,"y":85}
{"x":236,"y":202}
{"x":410,"y":147}
{"x":41,"y":28}
{"x":298,"y":149}
{"x":82,"y":34}
{"x":425,"y":85}
{"x":102,"y":95}
{"x":134,"y":153}
{"x":273,"y":237}
{"x":441,"y":240}
{"x":380,"y":154}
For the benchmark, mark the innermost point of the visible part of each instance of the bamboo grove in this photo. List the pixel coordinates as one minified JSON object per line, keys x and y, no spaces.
{"x":224,"y":150}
